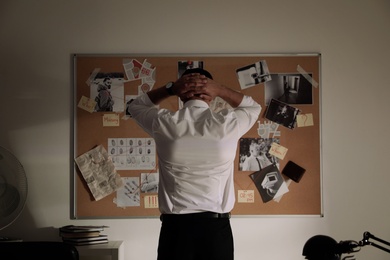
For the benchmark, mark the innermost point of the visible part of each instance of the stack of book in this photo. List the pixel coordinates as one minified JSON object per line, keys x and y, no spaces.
{"x":83,"y":235}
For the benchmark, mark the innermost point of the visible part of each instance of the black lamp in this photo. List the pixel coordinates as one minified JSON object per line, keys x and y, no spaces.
{"x":322,"y":247}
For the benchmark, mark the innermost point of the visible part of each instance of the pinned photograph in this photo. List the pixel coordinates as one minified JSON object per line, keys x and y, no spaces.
{"x":282,"y":113}
{"x":254,"y":153}
{"x":184,"y":65}
{"x":253,"y":74}
{"x":128,"y":100}
{"x":149,"y":182}
{"x":270,"y":183}
{"x":107,"y":90}
{"x":289,"y":88}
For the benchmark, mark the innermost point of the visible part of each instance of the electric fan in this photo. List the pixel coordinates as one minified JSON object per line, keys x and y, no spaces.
{"x":13,"y":189}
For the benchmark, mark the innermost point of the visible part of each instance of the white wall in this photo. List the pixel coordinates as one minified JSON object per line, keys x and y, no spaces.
{"x":37,"y":39}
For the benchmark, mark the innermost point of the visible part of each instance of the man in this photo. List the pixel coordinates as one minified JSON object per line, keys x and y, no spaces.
{"x":257,"y":159}
{"x":196,"y":149}
{"x":104,"y":100}
{"x":281,"y":115}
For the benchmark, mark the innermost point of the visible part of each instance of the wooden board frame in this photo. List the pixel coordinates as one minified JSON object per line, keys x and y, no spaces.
{"x":303,"y":142}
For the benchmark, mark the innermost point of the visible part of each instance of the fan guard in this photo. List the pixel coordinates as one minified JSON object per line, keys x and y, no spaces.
{"x":13,"y":188}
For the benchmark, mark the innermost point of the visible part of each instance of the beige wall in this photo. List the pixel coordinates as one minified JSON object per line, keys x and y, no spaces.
{"x":38,"y":38}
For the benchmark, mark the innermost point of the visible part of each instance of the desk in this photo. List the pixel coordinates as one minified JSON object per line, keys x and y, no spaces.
{"x":115,"y":249}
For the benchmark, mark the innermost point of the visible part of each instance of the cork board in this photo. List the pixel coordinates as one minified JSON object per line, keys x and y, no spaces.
{"x":273,"y":80}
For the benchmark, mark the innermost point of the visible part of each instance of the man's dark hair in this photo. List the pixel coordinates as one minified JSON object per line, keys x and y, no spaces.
{"x":198,"y":70}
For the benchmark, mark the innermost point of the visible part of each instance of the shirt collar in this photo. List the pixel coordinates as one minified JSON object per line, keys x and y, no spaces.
{"x":196,"y":103}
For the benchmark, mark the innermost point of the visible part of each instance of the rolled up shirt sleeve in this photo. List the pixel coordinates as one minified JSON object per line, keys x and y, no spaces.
{"x":144,"y":112}
{"x":247,"y":113}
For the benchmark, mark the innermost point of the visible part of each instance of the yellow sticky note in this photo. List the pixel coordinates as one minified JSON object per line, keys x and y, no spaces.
{"x":278,"y":150}
{"x":111,"y":120}
{"x":87,"y":104}
{"x":246,"y":196}
{"x":305,"y":120}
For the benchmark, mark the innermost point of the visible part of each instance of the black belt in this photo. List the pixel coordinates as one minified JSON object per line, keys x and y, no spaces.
{"x":201,"y":215}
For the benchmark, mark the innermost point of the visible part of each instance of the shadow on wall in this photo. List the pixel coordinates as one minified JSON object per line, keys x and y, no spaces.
{"x":24,"y":227}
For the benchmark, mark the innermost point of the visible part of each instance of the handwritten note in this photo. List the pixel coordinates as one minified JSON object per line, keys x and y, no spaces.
{"x":111,"y":120}
{"x":246,"y":196}
{"x":278,"y":150}
{"x":87,"y":104}
{"x":305,"y":120}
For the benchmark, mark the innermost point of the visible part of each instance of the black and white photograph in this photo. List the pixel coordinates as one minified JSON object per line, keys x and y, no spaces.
{"x":253,"y":74}
{"x":289,"y":88}
{"x":107,"y":89}
{"x":187,"y":64}
{"x":149,"y":182}
{"x":128,"y":100}
{"x":269,"y":182}
{"x":254,"y":153}
{"x":282,"y":113}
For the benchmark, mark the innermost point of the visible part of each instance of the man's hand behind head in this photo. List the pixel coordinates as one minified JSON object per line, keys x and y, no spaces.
{"x":191,"y":86}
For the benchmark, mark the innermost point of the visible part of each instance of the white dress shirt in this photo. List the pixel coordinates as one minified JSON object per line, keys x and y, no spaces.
{"x":196,"y":149}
